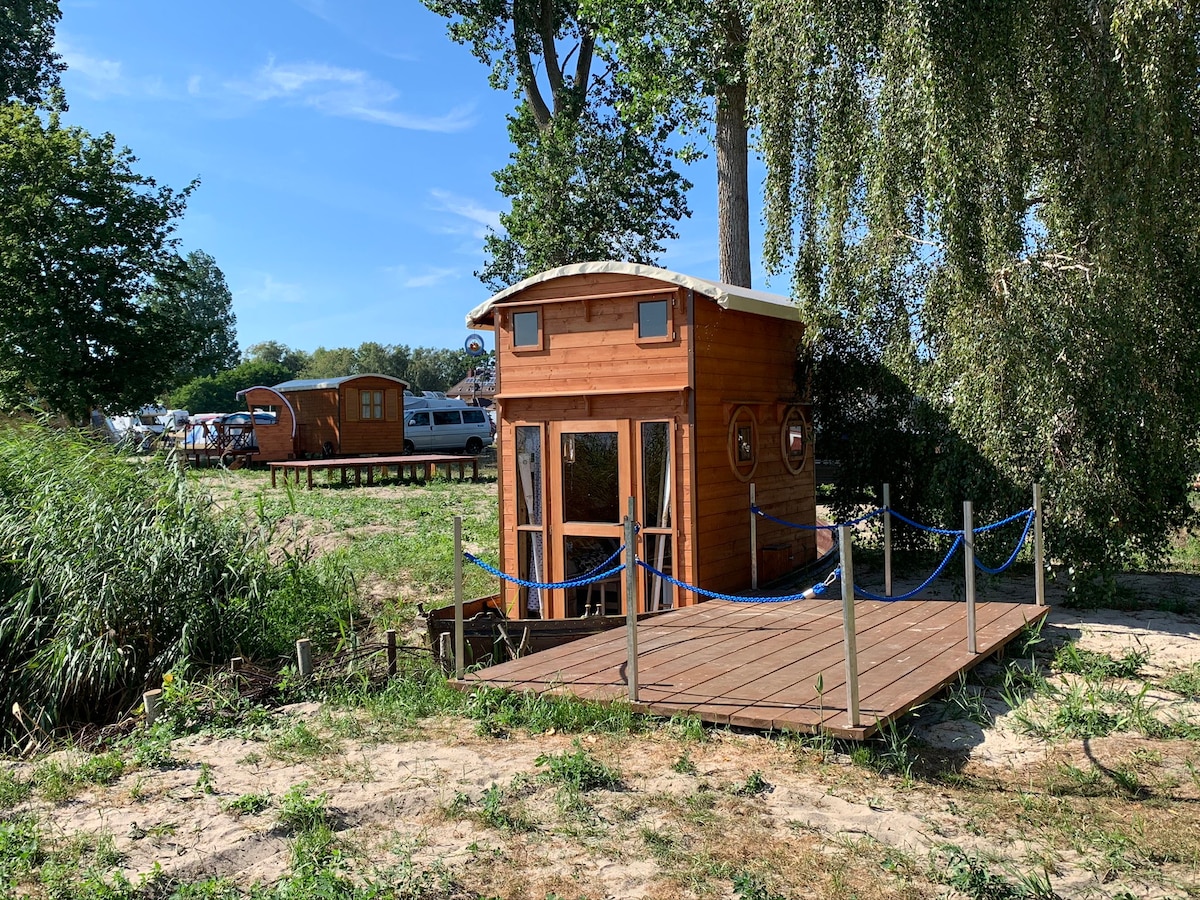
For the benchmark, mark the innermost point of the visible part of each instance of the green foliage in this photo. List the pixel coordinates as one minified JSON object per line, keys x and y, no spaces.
{"x":114,"y":572}
{"x":279,"y":354}
{"x":21,"y":851}
{"x":749,"y":886}
{"x":970,"y":875}
{"x":1185,"y":682}
{"x":194,"y":296}
{"x":218,"y":392}
{"x":499,"y":711}
{"x":754,"y":785}
{"x":578,"y":771}
{"x":1075,"y":660}
{"x":989,"y":214}
{"x":81,"y":237}
{"x":249,"y":804}
{"x":300,"y":813}
{"x":591,"y":188}
{"x":585,"y":182}
{"x":29,"y":67}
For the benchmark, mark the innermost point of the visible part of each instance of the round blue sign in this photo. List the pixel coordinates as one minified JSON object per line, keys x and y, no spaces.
{"x":474,"y":345}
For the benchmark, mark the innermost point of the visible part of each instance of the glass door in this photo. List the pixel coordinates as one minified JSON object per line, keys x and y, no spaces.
{"x":590,"y":481}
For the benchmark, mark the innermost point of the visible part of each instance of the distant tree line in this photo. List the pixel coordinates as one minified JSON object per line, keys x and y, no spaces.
{"x":270,"y":362}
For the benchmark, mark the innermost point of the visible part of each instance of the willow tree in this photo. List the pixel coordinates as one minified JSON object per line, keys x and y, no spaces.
{"x":990,"y":212}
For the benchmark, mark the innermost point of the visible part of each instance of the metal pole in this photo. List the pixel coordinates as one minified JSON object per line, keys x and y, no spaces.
{"x":753,"y":542}
{"x":887,"y":540}
{"x":631,"y":651}
{"x":969,"y":555}
{"x":460,"y":657}
{"x":1039,"y":553}
{"x":848,"y":631}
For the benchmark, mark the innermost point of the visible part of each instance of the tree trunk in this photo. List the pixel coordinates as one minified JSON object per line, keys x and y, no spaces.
{"x":733,"y":186}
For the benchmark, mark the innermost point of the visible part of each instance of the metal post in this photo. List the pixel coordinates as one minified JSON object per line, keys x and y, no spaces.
{"x":631,"y":650}
{"x":969,"y":555}
{"x":848,"y":631}
{"x":1039,"y":553}
{"x":391,"y":651}
{"x":753,"y":542}
{"x":460,"y":657}
{"x":304,"y":656}
{"x":887,"y":540}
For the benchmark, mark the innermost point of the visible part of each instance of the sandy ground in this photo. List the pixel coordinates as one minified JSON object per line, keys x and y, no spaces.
{"x":415,"y":804}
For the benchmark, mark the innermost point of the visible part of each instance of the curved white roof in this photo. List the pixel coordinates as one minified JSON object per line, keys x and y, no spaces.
{"x":727,"y":296}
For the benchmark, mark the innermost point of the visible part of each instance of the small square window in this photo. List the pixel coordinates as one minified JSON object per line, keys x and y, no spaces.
{"x":654,"y":319}
{"x":372,"y":404}
{"x":526,"y":329}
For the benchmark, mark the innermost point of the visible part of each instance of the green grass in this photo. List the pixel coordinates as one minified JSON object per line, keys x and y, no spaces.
{"x":1185,"y":682}
{"x":299,"y":812}
{"x":249,"y":804}
{"x":119,"y":570}
{"x":578,"y":771}
{"x":1075,"y":660}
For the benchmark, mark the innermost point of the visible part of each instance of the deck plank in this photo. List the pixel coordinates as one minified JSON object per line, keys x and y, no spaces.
{"x":757,"y":665}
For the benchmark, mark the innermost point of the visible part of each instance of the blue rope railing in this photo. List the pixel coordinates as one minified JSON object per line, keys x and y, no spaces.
{"x":591,"y":578}
{"x":760,"y":513}
{"x":928,"y":581}
{"x":1016,"y":550}
{"x":816,"y":589}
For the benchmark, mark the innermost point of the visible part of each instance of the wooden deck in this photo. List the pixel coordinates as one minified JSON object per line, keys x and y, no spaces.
{"x":757,"y":665}
{"x":369,"y":464}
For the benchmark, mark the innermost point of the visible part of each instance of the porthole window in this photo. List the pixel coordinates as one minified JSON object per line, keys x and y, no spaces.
{"x":743,"y":443}
{"x":794,"y":439}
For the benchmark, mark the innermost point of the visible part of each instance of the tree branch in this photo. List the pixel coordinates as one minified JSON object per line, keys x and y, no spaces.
{"x":550,"y":52}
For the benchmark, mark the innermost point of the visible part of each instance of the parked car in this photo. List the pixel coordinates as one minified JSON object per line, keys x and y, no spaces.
{"x":447,"y":427}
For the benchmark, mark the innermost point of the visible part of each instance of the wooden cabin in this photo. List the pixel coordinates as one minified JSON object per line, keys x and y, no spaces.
{"x":276,"y":442}
{"x":348,"y":416}
{"x":617,"y":380}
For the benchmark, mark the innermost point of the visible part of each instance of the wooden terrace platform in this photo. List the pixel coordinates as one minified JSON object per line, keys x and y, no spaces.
{"x":360,"y":464}
{"x":757,"y":665}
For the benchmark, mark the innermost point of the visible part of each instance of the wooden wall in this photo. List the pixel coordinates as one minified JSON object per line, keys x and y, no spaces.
{"x":275,"y":442}
{"x":316,"y":420}
{"x":747,"y":360}
{"x":589,"y":345}
{"x":382,"y":437}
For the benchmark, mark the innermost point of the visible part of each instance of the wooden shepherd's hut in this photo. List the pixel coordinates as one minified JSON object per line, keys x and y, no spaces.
{"x":618,"y":380}
{"x":276,"y":442}
{"x":348,"y":416}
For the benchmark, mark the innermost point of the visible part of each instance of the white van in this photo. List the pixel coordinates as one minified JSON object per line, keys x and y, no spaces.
{"x":447,"y":427}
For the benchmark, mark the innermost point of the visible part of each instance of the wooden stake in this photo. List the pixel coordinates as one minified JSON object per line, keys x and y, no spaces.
{"x":391,"y":651}
{"x":150,"y":701}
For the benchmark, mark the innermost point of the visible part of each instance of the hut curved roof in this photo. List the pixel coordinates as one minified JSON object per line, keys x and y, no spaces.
{"x":727,"y":296}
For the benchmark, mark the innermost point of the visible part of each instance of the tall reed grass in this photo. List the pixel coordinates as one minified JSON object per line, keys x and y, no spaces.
{"x":114,"y":570}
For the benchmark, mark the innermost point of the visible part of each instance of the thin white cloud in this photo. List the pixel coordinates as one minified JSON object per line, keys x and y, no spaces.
{"x":193,"y":85}
{"x":346,"y":93}
{"x":265,"y":290}
{"x":99,"y":76}
{"x":464,"y":207}
{"x":427,"y":279}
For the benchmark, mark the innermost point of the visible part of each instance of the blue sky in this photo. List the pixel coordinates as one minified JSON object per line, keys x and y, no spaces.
{"x":344,"y":149}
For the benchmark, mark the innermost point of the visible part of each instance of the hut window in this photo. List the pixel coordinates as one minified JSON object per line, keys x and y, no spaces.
{"x":657,"y":533}
{"x":743,"y":443}
{"x":794,"y":437}
{"x":372,"y":404}
{"x":527,"y":330}
{"x":654,"y":320}
{"x":530,"y":532}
